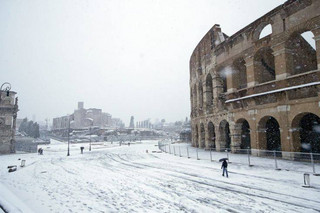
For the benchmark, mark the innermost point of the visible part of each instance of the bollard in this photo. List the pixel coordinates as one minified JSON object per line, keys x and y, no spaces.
{"x":275,"y":161}
{"x":169,"y":149}
{"x":197,"y":155}
{"x":174,"y":150}
{"x":306,"y":180}
{"x":23,"y":163}
{"x":180,"y":152}
{"x":249,"y":157}
{"x":210,"y":155}
{"x":188,"y":152}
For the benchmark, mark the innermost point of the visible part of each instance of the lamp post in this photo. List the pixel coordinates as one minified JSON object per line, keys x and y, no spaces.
{"x":7,"y":87}
{"x":91,"y":123}
{"x":68,"y":153}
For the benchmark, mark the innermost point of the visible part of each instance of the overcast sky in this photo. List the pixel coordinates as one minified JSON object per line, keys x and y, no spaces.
{"x":127,"y":57}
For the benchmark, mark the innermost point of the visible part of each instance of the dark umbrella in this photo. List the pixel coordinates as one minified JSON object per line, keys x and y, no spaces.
{"x":223,"y":159}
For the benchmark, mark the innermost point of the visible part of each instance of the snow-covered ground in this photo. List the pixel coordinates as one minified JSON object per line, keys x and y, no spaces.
{"x":113,"y":178}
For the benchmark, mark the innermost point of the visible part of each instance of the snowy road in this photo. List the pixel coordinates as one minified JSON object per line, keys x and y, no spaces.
{"x":127,"y":179}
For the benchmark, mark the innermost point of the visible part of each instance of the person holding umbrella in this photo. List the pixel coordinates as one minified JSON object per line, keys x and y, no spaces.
{"x":224,"y":166}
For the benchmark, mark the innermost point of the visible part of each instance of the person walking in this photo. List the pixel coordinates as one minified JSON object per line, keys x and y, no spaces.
{"x":224,"y":168}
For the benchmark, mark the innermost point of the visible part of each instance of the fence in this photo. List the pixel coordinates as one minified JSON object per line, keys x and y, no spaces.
{"x":293,"y":161}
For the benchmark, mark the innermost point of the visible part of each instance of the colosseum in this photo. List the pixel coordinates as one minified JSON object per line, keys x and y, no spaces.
{"x":255,"y":91}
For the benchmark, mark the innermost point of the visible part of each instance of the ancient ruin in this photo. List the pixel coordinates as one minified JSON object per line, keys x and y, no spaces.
{"x":8,"y":116}
{"x":250,"y":91}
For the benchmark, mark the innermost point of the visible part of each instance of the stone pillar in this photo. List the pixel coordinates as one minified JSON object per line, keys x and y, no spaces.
{"x":236,"y":136}
{"x":253,"y":136}
{"x":219,"y":143}
{"x":316,"y":33}
{"x":207,"y":138}
{"x":252,"y":78}
{"x":231,"y":81}
{"x":283,"y":64}
{"x":286,"y":144}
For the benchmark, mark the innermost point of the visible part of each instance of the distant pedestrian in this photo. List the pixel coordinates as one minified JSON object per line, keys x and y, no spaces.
{"x":40,"y":151}
{"x":224,"y":168}
{"x":81,"y":149}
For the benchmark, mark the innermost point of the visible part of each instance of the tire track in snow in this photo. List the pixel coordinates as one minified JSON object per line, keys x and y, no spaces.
{"x":276,"y":194}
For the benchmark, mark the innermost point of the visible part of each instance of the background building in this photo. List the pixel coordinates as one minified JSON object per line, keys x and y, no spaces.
{"x":8,"y":116}
{"x":84,"y":118}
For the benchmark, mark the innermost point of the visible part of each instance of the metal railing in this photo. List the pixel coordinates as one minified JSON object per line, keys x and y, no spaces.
{"x":293,"y":161}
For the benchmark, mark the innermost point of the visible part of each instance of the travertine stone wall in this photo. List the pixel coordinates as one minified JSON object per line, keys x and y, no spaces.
{"x":282,"y":79}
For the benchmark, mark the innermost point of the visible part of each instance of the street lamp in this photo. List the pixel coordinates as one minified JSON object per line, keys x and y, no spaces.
{"x":68,"y":153}
{"x":91,"y":123}
{"x":7,"y":87}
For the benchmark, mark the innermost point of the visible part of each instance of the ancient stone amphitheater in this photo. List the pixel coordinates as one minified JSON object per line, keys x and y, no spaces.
{"x":250,"y":91}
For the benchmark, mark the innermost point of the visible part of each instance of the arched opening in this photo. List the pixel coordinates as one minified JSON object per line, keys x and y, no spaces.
{"x":195,"y":97}
{"x":245,"y":135}
{"x":309,"y":127}
{"x":196,"y":137}
{"x":223,"y":79}
{"x":224,"y":130}
{"x":209,"y":90}
{"x":269,"y":137}
{"x":240,"y":73}
{"x":264,"y":67}
{"x":273,"y":135}
{"x":211,"y":136}
{"x":267,"y":30}
{"x":303,"y":55}
{"x":200,"y":95}
{"x":202,"y":136}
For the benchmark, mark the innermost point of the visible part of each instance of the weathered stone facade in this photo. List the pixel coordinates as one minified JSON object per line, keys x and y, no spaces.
{"x":259,"y":93}
{"x":8,"y":116}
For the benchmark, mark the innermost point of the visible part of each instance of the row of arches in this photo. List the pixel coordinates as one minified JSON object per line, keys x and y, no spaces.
{"x":300,"y":57}
{"x":305,"y":130}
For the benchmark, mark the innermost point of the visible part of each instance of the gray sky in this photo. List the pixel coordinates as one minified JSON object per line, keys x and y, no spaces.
{"x":127,"y":57}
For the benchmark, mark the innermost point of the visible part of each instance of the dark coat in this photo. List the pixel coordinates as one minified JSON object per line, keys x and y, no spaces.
{"x":224,"y":164}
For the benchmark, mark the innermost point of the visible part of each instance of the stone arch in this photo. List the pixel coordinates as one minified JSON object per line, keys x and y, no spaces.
{"x":195,"y":96}
{"x":224,"y":131}
{"x":202,"y":136}
{"x":302,"y":56}
{"x":269,"y":137}
{"x":267,"y":30}
{"x":240,"y":73}
{"x":211,"y":136}
{"x":258,"y":30}
{"x":243,"y":130}
{"x":200,"y":89}
{"x":306,"y":132}
{"x":264,"y":66}
{"x":223,"y":79}
{"x":209,"y":90}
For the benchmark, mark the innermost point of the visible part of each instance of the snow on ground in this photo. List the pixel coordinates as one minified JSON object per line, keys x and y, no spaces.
{"x":113,"y":178}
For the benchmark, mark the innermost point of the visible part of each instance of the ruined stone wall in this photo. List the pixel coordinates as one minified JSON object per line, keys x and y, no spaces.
{"x":8,"y":116}
{"x":248,"y":80}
